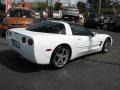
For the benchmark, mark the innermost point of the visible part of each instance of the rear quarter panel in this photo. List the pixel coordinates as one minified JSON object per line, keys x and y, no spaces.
{"x":41,"y":44}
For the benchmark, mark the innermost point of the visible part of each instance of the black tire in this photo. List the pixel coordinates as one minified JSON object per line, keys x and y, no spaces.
{"x":106,"y":45}
{"x":60,"y":57}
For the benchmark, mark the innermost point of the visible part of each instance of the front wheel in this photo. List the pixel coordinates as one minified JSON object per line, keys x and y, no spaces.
{"x":60,"y":57}
{"x":106,"y":46}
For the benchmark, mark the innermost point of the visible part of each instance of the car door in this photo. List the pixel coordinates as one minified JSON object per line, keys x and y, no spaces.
{"x":94,"y":43}
{"x":84,"y":40}
{"x":81,"y":43}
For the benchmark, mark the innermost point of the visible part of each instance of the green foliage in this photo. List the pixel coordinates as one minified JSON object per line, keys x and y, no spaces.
{"x":106,"y":11}
{"x":118,"y":10}
{"x":40,"y":6}
{"x":57,"y":6}
{"x":81,"y":6}
{"x":107,"y":6}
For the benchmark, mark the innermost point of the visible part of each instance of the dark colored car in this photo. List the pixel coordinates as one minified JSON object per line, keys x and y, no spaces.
{"x":116,"y":24}
{"x":94,"y":20}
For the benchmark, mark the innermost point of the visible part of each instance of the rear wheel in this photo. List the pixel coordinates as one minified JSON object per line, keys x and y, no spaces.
{"x":106,"y":46}
{"x":60,"y":57}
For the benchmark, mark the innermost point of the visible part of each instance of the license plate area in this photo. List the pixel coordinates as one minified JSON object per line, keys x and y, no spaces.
{"x":16,"y":44}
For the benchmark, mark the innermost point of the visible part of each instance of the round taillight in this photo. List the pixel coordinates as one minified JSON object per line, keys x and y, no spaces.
{"x":24,"y":39}
{"x":30,"y":41}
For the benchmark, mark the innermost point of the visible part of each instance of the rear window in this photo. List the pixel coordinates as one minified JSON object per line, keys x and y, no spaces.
{"x":47,"y":27}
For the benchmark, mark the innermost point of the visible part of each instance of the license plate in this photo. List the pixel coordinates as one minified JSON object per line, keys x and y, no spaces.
{"x":16,"y":44}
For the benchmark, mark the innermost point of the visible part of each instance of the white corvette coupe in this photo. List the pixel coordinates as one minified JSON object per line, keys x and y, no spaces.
{"x":56,"y":42}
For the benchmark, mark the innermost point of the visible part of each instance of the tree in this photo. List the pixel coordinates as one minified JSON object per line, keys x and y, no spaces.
{"x":81,"y":6}
{"x":40,"y":6}
{"x":110,"y":5}
{"x":57,"y":6}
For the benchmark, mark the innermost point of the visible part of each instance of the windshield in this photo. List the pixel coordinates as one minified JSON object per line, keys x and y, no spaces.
{"x":20,"y":13}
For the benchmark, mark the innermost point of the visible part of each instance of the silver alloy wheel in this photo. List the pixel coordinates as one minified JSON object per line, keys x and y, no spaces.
{"x":61,"y":57}
{"x":107,"y":45}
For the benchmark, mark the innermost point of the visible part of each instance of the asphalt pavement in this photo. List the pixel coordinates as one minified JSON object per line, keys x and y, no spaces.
{"x":92,"y":72}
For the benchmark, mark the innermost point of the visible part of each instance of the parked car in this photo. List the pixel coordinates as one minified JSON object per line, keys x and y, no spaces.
{"x":116,"y":24}
{"x":71,"y":12}
{"x":56,"y":42}
{"x":57,"y":14}
{"x":94,"y":20}
{"x":17,"y":17}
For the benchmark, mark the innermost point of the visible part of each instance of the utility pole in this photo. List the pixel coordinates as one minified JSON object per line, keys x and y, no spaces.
{"x":47,"y":5}
{"x":99,"y":6}
{"x":69,"y":3}
{"x":51,"y":9}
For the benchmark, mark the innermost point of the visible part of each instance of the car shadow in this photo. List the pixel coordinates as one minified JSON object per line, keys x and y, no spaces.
{"x":16,"y":63}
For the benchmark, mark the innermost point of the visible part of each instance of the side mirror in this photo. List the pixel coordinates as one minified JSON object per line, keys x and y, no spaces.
{"x":92,"y":34}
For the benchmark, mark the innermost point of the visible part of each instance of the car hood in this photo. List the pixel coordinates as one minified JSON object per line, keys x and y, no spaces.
{"x":18,"y":20}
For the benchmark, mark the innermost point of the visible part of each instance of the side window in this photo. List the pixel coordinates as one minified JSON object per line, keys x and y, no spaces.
{"x":81,"y":31}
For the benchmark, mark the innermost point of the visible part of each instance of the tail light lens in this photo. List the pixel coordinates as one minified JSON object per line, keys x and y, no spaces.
{"x":24,"y":39}
{"x":30,"y":42}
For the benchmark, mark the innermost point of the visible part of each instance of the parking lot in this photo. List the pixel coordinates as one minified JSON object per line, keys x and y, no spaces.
{"x":91,"y":72}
